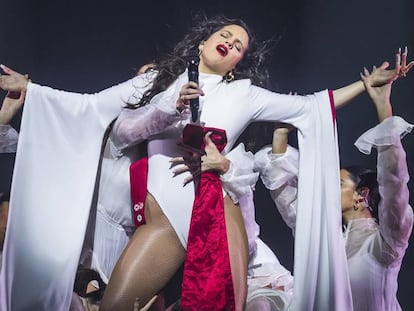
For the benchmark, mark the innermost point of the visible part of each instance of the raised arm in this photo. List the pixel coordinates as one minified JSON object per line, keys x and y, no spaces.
{"x":278,"y":168}
{"x":395,"y":214}
{"x":379,"y":76}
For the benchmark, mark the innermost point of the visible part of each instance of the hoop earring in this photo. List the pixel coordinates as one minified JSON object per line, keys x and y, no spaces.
{"x":355,"y":206}
{"x":229,"y":76}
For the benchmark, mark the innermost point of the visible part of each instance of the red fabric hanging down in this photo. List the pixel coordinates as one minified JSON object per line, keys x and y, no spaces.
{"x":207,"y":280}
{"x":138,"y":175}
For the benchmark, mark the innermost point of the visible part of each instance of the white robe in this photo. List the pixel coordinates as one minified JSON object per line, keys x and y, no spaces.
{"x":374,"y":251}
{"x":320,"y":265}
{"x":53,"y":184}
{"x":50,"y":200}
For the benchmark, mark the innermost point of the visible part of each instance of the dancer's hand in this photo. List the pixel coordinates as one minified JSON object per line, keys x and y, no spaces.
{"x":200,"y":161}
{"x":404,"y":68}
{"x":380,"y":95}
{"x":381,"y":75}
{"x":190,"y":90}
{"x":12,"y":80}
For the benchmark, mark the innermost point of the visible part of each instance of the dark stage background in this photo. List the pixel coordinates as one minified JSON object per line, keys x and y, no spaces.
{"x":88,"y":45}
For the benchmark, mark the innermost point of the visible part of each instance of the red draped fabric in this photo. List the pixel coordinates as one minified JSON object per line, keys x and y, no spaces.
{"x":207,"y":280}
{"x":138,"y":175}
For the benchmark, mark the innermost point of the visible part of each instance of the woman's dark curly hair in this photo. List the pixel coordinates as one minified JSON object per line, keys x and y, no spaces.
{"x":366,"y":178}
{"x":252,"y":65}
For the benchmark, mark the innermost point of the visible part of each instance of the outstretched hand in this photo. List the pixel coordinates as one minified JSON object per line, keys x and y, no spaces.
{"x":380,"y":94}
{"x":381,"y":75}
{"x":200,"y":161}
{"x":13,"y":81}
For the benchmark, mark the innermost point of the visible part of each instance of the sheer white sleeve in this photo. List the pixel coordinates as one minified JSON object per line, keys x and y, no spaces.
{"x":8,"y":139}
{"x":240,"y":179}
{"x":276,"y":169}
{"x":279,"y":173}
{"x":239,"y":182}
{"x":395,"y":214}
{"x":135,"y":125}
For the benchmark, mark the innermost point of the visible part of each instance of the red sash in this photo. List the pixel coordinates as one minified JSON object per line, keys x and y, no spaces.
{"x":207,"y":280}
{"x":138,"y":173}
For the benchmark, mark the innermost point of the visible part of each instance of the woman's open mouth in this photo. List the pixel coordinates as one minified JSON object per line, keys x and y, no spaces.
{"x":222,"y":49}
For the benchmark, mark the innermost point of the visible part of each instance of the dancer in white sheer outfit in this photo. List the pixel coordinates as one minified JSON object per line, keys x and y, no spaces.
{"x":375,"y":210}
{"x":75,"y":125}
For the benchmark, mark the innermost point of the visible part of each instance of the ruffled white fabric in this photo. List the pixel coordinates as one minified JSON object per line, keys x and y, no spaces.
{"x":239,"y":182}
{"x":267,"y":299}
{"x":287,"y":166}
{"x":388,"y":132}
{"x":270,"y":285}
{"x":279,"y":174}
{"x":8,"y":139}
{"x":266,"y":270}
{"x":240,"y":179}
{"x":375,"y":251}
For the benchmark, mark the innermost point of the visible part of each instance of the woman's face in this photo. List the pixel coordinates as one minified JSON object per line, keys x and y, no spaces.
{"x":221,"y":52}
{"x":348,"y":191}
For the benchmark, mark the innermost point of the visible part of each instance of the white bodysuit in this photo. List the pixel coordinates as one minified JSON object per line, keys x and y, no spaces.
{"x":57,"y":176}
{"x":229,"y":106}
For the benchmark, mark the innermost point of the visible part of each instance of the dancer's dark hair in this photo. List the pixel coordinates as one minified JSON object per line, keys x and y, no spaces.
{"x":366,"y":178}
{"x":252,"y":66}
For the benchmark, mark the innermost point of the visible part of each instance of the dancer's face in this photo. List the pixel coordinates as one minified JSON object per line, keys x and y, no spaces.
{"x":348,"y":191}
{"x":223,"y":50}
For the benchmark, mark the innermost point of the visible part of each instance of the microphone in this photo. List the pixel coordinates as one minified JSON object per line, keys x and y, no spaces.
{"x":192,"y":65}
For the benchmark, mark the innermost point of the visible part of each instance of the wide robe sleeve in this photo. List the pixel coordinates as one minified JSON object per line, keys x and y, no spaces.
{"x":320,"y":267}
{"x":53,"y":184}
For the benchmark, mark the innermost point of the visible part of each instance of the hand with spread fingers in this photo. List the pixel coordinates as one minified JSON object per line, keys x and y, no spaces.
{"x":13,"y":81}
{"x":405,"y":68}
{"x":201,"y":161}
{"x":381,"y":75}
